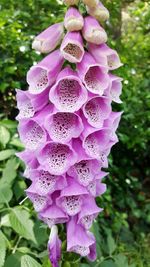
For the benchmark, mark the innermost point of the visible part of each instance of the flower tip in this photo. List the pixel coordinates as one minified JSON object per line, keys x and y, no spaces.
{"x":73,"y":20}
{"x":48,"y":40}
{"x":74,"y":25}
{"x":98,"y":37}
{"x":91,"y":3}
{"x":54,"y":233}
{"x":71,"y":2}
{"x":99,"y":12}
{"x":95,"y":33}
{"x":17,"y":90}
{"x":54,"y":247}
{"x":36,"y":45}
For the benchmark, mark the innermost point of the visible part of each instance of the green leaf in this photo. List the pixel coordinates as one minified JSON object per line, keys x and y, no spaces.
{"x":27,"y":261}
{"x":3,"y":86}
{"x":11,"y":69}
{"x":66,"y":264}
{"x":40,"y":233}
{"x":111,"y":244}
{"x":13,"y":260}
{"x":20,"y":222}
{"x":121,"y":260}
{"x":5,"y":194}
{"x":3,"y":237}
{"x":2,"y":251}
{"x":5,"y":221}
{"x":9,"y":124}
{"x":19,"y":188}
{"x":43,"y":254}
{"x":75,"y":264}
{"x":5,"y":154}
{"x":108,"y":263}
{"x":95,"y":230}
{"x":4,"y":136}
{"x":17,"y":143}
{"x":9,"y":172}
{"x":46,"y":263}
{"x":24,"y":250}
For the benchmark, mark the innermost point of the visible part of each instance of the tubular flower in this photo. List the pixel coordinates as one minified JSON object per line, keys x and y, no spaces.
{"x":84,"y":171}
{"x":96,"y":141}
{"x":53,"y":215}
{"x":68,"y":126}
{"x":32,"y":132}
{"x":93,"y":75}
{"x":96,"y":110}
{"x":105,"y":56}
{"x":46,"y":183}
{"x":88,"y":213}
{"x":63,"y":126}
{"x":80,"y":240}
{"x":73,"y":20}
{"x":115,"y":89}
{"x":49,"y":39}
{"x":95,"y":33}
{"x":56,"y":158}
{"x":71,"y":197}
{"x":99,"y":12}
{"x":68,"y":93}
{"x":28,"y":104}
{"x":72,"y":47}
{"x":43,"y":75}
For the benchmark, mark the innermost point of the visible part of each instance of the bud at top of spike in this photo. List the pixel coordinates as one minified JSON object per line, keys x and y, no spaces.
{"x":95,"y":33}
{"x":71,"y":2}
{"x":99,"y":12}
{"x":48,"y":40}
{"x":54,"y":247}
{"x":73,"y":20}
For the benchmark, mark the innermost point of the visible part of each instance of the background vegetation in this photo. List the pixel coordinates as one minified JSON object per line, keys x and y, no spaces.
{"x":122,"y":230}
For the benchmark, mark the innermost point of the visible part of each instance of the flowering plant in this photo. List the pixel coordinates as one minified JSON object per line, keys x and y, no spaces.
{"x":68,"y":127}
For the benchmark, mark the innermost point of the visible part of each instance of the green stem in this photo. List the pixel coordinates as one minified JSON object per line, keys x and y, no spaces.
{"x":16,"y":246}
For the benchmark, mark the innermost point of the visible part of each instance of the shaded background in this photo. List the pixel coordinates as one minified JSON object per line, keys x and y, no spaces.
{"x":122,"y":230}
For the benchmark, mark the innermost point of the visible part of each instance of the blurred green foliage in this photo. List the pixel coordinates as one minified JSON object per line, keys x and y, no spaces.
{"x":122,"y":230}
